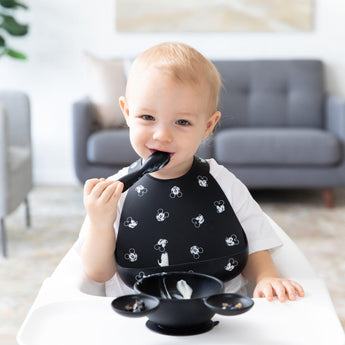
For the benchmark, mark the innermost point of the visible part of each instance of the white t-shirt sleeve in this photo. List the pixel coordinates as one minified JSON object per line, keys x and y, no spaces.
{"x":259,"y":232}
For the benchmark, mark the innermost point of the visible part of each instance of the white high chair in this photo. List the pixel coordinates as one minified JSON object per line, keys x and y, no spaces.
{"x":72,"y":309}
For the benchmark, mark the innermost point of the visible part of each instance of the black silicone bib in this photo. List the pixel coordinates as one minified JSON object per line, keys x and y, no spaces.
{"x":179,"y":225}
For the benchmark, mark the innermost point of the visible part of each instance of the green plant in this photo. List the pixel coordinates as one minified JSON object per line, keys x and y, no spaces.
{"x":10,"y":26}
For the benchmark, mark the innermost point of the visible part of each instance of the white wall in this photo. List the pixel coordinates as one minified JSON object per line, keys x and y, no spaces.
{"x":62,"y":30}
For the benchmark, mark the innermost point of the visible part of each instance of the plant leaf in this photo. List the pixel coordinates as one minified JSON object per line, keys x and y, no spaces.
{"x":12,"y":4}
{"x":2,"y":42}
{"x":13,"y":27}
{"x":15,"y":54}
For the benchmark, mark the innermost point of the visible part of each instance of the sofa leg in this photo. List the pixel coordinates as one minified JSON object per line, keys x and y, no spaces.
{"x":328,"y":197}
{"x":3,"y":237}
{"x":27,"y":213}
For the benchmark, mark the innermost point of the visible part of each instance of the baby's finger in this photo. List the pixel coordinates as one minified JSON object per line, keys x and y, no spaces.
{"x":89,"y":184}
{"x":290,"y":290}
{"x":108,"y":192}
{"x":258,"y":294}
{"x":298,"y":288}
{"x":268,"y":292}
{"x":118,"y":190}
{"x":99,"y":188}
{"x":279,"y":289}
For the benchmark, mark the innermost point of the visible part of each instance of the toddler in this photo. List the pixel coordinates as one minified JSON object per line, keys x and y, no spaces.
{"x":190,"y":212}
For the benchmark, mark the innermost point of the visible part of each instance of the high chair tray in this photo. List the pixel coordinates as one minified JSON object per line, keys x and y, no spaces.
{"x":91,"y":321}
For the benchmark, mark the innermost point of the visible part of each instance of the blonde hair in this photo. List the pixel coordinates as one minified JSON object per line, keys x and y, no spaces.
{"x":184,"y":64}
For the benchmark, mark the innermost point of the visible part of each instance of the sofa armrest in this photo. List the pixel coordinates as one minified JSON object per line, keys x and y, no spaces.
{"x":335,"y":115}
{"x":3,"y":135}
{"x":3,"y":157}
{"x":83,"y":124}
{"x":17,"y":107}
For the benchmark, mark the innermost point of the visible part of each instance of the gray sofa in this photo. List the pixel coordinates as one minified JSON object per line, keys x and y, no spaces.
{"x":279,"y":129}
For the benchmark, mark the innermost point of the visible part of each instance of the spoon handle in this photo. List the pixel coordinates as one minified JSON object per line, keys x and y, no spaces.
{"x":153,"y":163}
{"x":129,"y":179}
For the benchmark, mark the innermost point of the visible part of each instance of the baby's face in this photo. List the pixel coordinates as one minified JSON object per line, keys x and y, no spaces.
{"x":166,"y":115}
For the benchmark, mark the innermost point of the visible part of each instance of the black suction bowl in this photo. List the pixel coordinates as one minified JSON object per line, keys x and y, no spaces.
{"x":176,"y":315}
{"x":172,"y":311}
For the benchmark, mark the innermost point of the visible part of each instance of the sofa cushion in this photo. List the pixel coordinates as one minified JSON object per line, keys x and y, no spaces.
{"x":271,"y":93}
{"x":279,"y":146}
{"x":111,"y":146}
{"x":105,"y":82}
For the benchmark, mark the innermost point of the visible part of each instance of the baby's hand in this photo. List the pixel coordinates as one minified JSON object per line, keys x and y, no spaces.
{"x":268,"y":287}
{"x":100,"y":200}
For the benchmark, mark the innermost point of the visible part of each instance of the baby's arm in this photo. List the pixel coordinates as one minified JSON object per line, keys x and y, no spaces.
{"x":261,"y":271}
{"x":100,"y":200}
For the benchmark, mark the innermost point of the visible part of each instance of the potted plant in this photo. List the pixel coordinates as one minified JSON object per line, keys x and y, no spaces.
{"x":10,"y":26}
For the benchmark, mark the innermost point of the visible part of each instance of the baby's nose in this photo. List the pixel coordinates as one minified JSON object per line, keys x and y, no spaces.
{"x":163,"y":134}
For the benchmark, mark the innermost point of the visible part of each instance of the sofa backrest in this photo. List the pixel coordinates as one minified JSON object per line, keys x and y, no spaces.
{"x":271,"y":93}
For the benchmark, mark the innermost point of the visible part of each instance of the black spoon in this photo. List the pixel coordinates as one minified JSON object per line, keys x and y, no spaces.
{"x":156,"y":161}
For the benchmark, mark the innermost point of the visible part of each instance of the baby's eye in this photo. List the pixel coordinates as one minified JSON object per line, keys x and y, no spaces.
{"x":147,"y":117}
{"x":183,"y":122}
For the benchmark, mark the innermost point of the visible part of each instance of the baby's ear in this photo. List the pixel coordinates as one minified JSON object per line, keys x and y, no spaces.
{"x":124,"y":107}
{"x":211,"y":123}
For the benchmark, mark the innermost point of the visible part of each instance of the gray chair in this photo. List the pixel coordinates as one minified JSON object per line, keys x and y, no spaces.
{"x":15,"y":156}
{"x":279,"y":129}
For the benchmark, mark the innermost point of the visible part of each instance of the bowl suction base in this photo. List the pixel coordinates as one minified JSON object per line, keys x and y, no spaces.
{"x":198,"y":329}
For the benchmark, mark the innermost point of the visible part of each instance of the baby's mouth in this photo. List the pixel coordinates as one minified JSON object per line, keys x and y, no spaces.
{"x":170,"y":153}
